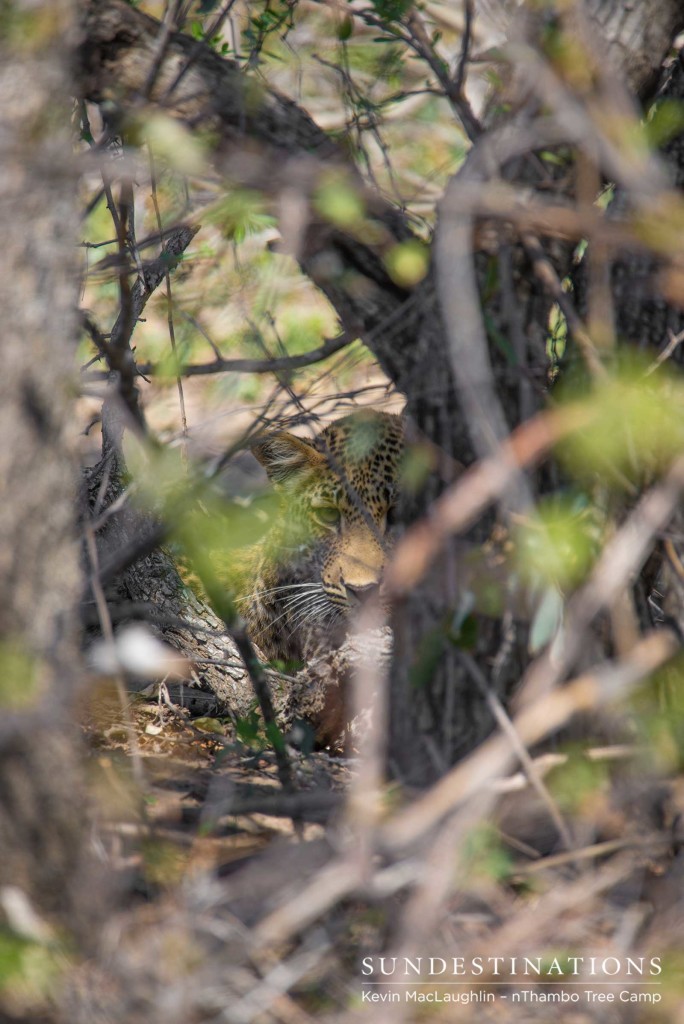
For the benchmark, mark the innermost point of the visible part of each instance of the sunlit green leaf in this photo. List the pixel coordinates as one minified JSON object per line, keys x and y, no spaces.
{"x":170,"y":140}
{"x":408,"y":262}
{"x":557,"y":544}
{"x":345,"y":29}
{"x":665,"y":120}
{"x":638,"y":425}
{"x":239,"y":213}
{"x":339,"y":202}
{"x":212,"y":725}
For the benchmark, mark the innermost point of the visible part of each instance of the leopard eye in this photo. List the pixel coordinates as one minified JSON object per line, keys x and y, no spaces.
{"x":328,"y":515}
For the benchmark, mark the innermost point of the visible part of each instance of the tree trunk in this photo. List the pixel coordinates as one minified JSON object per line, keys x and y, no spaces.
{"x":41,"y":791}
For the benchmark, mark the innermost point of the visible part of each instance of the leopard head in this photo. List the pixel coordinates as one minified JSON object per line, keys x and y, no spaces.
{"x":327,"y":550}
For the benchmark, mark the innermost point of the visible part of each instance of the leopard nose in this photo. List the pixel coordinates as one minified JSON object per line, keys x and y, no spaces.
{"x":358,"y":594}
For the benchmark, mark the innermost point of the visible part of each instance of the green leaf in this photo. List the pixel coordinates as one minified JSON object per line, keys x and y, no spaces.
{"x":664,"y":122}
{"x":210,"y":725}
{"x":346,"y":28}
{"x":638,"y":427}
{"x":407,"y":263}
{"x":558,"y":544}
{"x":339,"y":202}
{"x":391,"y":10}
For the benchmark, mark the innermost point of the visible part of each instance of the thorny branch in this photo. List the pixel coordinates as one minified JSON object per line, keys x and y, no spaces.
{"x":117,"y":348}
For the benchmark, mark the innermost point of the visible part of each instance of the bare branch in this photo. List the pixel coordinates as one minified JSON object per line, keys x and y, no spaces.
{"x":543,"y":718}
{"x":219,"y":365}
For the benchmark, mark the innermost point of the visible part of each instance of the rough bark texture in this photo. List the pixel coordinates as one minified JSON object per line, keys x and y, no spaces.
{"x":310,"y":706}
{"x":41,"y":801}
{"x":255,"y":135}
{"x":643,"y":314}
{"x":152,"y":589}
{"x":638,"y":35}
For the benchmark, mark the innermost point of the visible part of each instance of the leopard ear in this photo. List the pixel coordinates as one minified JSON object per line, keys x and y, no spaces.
{"x":285,"y":457}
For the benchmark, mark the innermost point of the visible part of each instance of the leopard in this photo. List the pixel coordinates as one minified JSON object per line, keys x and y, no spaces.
{"x":324,"y":555}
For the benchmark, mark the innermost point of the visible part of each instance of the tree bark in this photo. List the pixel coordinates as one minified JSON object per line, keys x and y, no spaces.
{"x":41,"y":791}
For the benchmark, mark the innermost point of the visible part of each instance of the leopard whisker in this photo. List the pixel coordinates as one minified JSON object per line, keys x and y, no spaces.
{"x":278,"y":590}
{"x":293,"y":603}
{"x":310,"y":612}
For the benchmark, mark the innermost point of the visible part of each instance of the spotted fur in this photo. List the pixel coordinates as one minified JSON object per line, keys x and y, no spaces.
{"x":326,"y":551}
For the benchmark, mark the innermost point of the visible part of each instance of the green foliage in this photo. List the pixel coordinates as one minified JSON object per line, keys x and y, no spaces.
{"x":197,"y":31}
{"x":391,"y":10}
{"x":249,"y":730}
{"x":484,"y":856}
{"x":664,"y":121}
{"x":560,"y":542}
{"x":499,"y":339}
{"x":408,"y":262}
{"x":169,"y":141}
{"x":239,"y":214}
{"x":210,"y":725}
{"x":164,"y":863}
{"x":384,"y":65}
{"x":302,"y":330}
{"x":637,"y":427}
{"x":276,"y":17}
{"x":252,"y":732}
{"x":345,"y":29}
{"x":208,"y":529}
{"x":27,"y":30}
{"x":274,"y":736}
{"x":29,"y":971}
{"x":576,"y":784}
{"x":557,"y":337}
{"x":463,"y":632}
{"x":659,"y":717}
{"x":339,"y":201}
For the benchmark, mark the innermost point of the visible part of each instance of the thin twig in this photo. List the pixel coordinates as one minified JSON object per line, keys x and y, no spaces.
{"x":466,"y":40}
{"x":161,"y":45}
{"x":601,"y":685}
{"x":169,"y":308}
{"x":546,"y":274}
{"x":344,"y":875}
{"x":673,"y":343}
{"x":503,"y":720}
{"x":197,"y":49}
